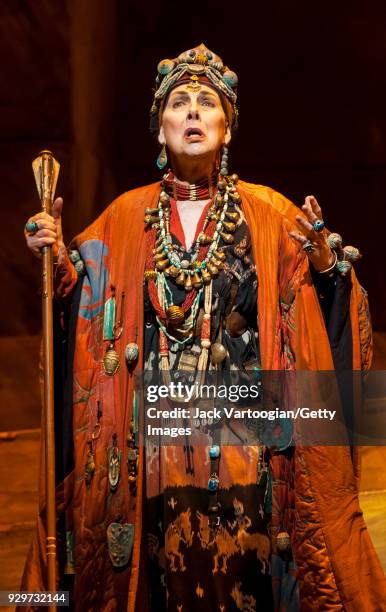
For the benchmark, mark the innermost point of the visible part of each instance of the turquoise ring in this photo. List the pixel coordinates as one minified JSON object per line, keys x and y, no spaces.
{"x":308,"y":247}
{"x":318,"y":225}
{"x":31,"y":227}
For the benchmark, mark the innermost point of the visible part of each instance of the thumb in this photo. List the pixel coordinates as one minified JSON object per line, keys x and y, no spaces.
{"x":57,"y":214}
{"x":57,"y":208}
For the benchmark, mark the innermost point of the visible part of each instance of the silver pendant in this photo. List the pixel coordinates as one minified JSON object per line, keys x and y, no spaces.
{"x":114,"y":463}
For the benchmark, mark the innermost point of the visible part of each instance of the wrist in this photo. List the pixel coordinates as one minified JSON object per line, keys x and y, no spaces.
{"x":331,"y":266}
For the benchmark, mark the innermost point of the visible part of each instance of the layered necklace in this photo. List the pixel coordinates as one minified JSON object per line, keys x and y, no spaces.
{"x":207,"y":256}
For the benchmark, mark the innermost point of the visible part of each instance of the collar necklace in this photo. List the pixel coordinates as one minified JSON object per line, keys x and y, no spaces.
{"x":204,"y":189}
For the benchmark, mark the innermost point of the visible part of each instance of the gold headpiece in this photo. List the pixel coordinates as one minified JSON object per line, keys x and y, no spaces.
{"x":200,"y":63}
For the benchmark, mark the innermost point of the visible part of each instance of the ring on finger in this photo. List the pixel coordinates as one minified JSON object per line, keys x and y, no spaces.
{"x":308,"y":247}
{"x":31,"y":227}
{"x":318,"y":226}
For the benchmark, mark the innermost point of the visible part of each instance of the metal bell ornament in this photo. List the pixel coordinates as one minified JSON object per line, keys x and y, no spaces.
{"x":111,"y":361}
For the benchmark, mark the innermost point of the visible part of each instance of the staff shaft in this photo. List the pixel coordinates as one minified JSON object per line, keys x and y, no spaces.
{"x":46,"y":170}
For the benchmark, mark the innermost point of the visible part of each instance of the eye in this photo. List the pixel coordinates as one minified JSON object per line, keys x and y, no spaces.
{"x":178,"y":103}
{"x":208,"y":102}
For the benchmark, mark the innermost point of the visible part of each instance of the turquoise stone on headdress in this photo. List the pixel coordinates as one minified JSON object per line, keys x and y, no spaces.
{"x":230,"y":78}
{"x":165,"y":67}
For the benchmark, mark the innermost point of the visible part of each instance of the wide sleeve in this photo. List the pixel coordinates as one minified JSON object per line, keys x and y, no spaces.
{"x":339,"y":303}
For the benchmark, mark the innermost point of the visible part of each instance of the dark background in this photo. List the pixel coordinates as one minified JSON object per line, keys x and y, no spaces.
{"x":77,"y":78}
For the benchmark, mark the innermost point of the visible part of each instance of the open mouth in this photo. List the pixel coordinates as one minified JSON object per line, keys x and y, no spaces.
{"x":193,"y":132}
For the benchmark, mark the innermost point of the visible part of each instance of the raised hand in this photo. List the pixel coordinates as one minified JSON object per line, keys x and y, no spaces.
{"x":313,"y":236}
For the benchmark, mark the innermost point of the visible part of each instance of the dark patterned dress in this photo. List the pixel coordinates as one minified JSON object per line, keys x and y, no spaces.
{"x":193,"y":563}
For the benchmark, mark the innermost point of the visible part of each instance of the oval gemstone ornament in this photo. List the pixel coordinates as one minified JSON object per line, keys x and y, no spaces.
{"x":318,"y":226}
{"x":165,"y":66}
{"x":80,"y":267}
{"x":214,"y":451}
{"x":131,"y":353}
{"x":74,"y":255}
{"x":230,"y":78}
{"x":213,"y":483}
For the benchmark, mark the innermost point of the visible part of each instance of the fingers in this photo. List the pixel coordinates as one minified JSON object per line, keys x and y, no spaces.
{"x":300,"y":238}
{"x":315,"y":206}
{"x":46,"y":227}
{"x":313,"y":213}
{"x":49,"y":229}
{"x":304,"y":225}
{"x":42,"y":218}
{"x":38,"y":243}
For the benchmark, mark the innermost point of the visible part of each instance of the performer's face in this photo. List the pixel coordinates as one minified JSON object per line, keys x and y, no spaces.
{"x":194,"y":123}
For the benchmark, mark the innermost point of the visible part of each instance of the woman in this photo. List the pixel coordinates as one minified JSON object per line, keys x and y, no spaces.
{"x":235,"y":278}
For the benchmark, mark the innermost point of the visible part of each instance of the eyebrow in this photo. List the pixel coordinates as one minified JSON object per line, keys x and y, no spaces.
{"x":186,"y":94}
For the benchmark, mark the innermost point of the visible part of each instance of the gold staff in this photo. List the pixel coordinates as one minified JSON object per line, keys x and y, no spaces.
{"x":46,"y":171}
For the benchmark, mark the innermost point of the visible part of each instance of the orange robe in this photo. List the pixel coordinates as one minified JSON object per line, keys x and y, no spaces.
{"x":338,"y":567}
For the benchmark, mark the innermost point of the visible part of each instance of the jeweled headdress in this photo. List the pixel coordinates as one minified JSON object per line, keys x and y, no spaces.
{"x":195,"y":65}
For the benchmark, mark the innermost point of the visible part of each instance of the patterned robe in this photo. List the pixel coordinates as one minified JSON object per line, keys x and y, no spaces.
{"x":317,"y":486}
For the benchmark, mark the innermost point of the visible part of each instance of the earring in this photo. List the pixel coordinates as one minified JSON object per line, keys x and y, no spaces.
{"x":162,"y":158}
{"x":224,"y":162}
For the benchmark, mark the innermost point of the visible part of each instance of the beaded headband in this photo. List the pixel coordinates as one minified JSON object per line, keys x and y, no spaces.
{"x":199,"y":63}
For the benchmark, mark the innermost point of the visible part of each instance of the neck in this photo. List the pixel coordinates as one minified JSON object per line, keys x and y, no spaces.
{"x":189,"y":171}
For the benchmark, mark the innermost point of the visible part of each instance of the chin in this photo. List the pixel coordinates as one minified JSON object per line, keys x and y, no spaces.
{"x":198,"y":149}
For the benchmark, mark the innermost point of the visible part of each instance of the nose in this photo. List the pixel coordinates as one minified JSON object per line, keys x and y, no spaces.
{"x":193,"y":113}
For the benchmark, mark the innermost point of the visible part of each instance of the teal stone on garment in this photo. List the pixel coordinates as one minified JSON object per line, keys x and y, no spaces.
{"x":213,"y":483}
{"x":80,"y":267}
{"x":109,"y":319}
{"x":74,"y":255}
{"x":268,"y":494}
{"x":120,"y":540}
{"x":70,"y":563}
{"x":135,"y":418}
{"x":214,"y":451}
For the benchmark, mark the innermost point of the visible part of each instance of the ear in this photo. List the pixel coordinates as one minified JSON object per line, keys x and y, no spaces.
{"x":161,"y":136}
{"x":228,"y":135}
